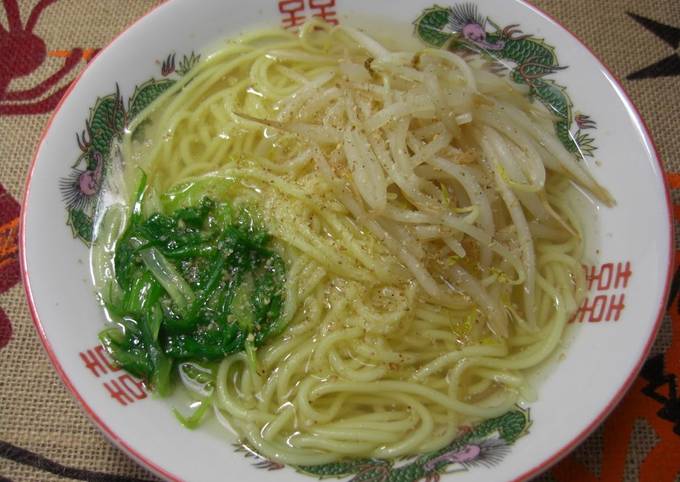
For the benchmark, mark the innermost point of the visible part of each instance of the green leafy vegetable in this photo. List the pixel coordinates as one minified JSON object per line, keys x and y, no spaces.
{"x":197,"y":282}
{"x":194,"y":420}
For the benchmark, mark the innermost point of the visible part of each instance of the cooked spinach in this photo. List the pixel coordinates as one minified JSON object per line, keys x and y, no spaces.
{"x":198,"y":281}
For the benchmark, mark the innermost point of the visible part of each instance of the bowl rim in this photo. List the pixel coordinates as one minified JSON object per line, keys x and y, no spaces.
{"x":538,"y":468}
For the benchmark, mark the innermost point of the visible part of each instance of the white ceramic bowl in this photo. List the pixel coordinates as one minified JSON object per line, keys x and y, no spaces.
{"x":629,"y":246}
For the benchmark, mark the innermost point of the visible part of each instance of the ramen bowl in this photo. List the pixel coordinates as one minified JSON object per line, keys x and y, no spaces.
{"x":628,"y":246}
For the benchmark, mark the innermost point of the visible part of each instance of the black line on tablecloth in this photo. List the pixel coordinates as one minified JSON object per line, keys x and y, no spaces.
{"x":675,"y":289}
{"x":667,"y":33}
{"x":662,"y":387}
{"x":26,"y":457}
{"x":668,"y":66}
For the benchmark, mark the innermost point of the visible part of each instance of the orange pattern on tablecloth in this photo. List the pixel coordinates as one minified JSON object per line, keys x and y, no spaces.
{"x":673,"y":179}
{"x":87,"y":54}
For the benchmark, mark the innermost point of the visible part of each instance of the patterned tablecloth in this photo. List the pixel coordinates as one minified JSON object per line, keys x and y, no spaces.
{"x":44,"y":436}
